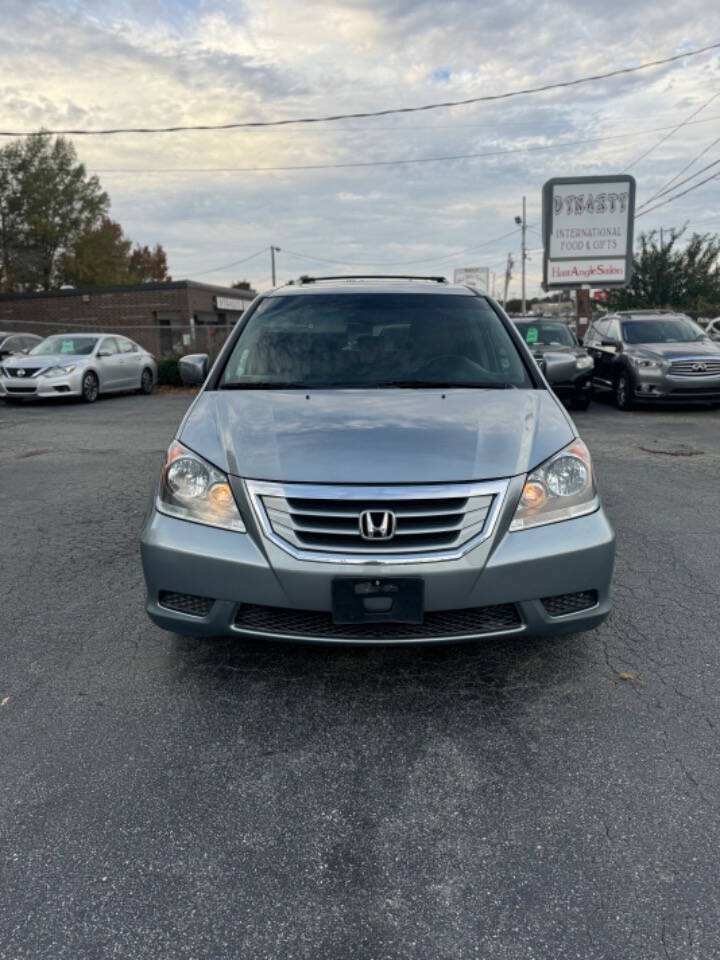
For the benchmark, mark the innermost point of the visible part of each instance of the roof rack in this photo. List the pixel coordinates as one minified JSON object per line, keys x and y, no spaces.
{"x":369,"y":276}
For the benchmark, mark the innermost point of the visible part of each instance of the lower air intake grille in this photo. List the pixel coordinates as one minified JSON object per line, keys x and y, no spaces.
{"x":570,"y":602}
{"x":318,"y":625}
{"x":186,"y":603}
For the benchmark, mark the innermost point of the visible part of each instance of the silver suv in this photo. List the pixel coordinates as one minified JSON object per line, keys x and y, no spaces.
{"x":376,"y":460}
{"x":652,"y":356}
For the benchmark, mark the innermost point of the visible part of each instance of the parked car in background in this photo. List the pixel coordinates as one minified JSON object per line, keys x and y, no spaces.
{"x":376,"y":460}
{"x":645,"y":356}
{"x":546,"y":336}
{"x":713,"y":329}
{"x":13,"y":343}
{"x":78,"y":365}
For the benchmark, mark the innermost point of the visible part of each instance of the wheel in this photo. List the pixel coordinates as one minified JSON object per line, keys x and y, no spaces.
{"x":146,"y":381}
{"x":90,"y":387}
{"x":623,"y":391}
{"x":581,"y":400}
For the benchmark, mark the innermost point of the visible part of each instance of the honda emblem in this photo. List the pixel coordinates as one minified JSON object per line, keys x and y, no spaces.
{"x":377,"y":525}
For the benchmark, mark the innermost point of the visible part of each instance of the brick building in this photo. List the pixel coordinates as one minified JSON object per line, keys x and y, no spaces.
{"x":178,"y":315}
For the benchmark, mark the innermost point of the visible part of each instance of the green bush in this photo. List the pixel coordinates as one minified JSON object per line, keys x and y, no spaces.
{"x":169,"y":371}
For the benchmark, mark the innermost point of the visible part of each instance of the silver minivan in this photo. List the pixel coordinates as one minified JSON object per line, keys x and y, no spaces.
{"x":376,"y":460}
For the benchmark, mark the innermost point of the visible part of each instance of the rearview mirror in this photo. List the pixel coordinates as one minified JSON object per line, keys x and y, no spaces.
{"x":559,"y":367}
{"x":194,"y":369}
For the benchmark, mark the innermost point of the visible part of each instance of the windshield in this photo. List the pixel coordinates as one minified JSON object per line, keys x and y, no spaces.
{"x":374,"y":339}
{"x":545,"y":333}
{"x":76,"y":346}
{"x":675,"y":330}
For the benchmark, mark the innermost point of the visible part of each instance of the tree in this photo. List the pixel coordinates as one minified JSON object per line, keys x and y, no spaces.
{"x":667,"y":275}
{"x":47,"y":201}
{"x":146,"y":265}
{"x":99,"y":256}
{"x":243,"y":285}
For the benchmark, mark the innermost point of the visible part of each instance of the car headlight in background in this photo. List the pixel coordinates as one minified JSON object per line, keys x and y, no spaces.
{"x":52,"y":372}
{"x":641,"y":364}
{"x":559,"y":489}
{"x":584,"y":363}
{"x":192,"y":489}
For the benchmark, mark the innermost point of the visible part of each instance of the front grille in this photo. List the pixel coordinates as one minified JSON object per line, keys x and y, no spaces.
{"x":186,"y":603}
{"x":427,"y":519}
{"x":13,"y":372}
{"x":318,"y":625}
{"x":20,"y":389}
{"x":566,"y":603}
{"x":684,"y":368}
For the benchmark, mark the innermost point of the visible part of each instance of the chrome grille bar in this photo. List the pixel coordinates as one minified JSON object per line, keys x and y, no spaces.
{"x":322,"y":522}
{"x":684,"y":368}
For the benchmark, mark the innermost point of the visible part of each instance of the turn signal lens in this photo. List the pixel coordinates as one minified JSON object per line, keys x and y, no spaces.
{"x":220,"y":495}
{"x":534,"y":495}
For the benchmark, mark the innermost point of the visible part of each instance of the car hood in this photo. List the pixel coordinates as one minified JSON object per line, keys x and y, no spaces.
{"x":376,"y":436}
{"x":47,"y":360}
{"x":674,"y":351}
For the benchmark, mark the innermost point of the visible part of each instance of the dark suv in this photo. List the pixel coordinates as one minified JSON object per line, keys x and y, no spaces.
{"x":548,"y":336}
{"x":654,"y":357}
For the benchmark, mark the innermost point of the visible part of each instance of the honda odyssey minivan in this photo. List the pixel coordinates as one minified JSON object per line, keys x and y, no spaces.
{"x":376,"y":460}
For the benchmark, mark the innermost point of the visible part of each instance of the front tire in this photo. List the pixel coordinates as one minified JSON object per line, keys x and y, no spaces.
{"x":623,"y":391}
{"x":147,"y":381}
{"x":90,"y":387}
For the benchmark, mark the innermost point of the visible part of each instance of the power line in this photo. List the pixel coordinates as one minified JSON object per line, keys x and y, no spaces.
{"x":380,"y":163}
{"x":439,"y":259}
{"x":680,"y":184}
{"x":677,"y":196}
{"x":235,"y":263}
{"x":373,"y":113}
{"x":687,"y":166}
{"x":673,"y":132}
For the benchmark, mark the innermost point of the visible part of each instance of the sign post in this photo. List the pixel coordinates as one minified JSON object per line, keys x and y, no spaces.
{"x":588,"y":231}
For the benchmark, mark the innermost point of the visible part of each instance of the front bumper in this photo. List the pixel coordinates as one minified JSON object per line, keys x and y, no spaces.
{"x":30,"y":388}
{"x":231,"y":571}
{"x":651,"y":385}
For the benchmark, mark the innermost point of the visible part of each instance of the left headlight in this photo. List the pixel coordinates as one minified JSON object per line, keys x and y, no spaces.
{"x":60,"y":371}
{"x":584,"y":363}
{"x":561,"y":488}
{"x":641,"y":364}
{"x":192,"y":489}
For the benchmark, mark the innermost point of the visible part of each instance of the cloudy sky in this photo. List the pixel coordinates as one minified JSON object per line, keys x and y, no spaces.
{"x":90,"y":64}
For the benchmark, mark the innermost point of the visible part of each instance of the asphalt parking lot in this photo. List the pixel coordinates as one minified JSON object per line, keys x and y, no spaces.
{"x":169,"y":798}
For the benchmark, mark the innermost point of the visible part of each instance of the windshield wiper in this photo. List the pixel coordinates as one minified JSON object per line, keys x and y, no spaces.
{"x":444,"y":384}
{"x":262,"y":385}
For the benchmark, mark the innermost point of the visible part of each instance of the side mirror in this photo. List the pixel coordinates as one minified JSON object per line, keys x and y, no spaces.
{"x":559,"y":368}
{"x":608,"y":342}
{"x":103,"y":353}
{"x":194,"y":369}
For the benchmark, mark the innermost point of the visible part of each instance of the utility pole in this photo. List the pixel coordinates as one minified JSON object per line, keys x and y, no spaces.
{"x":508,"y":275}
{"x":273,"y":251}
{"x":522,"y":223}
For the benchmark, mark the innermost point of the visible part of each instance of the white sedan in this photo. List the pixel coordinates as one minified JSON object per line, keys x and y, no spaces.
{"x":80,"y":365}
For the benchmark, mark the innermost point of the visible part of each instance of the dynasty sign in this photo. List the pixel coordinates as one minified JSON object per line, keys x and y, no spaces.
{"x":588,"y":231}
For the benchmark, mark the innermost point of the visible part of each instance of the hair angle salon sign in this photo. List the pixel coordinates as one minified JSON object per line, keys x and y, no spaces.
{"x":588,"y":231}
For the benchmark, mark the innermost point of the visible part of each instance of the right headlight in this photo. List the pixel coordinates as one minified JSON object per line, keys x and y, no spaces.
{"x":561,"y":488}
{"x":192,"y":489}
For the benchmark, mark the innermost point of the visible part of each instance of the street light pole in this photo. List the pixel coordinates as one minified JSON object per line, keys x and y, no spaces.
{"x":273,"y":251}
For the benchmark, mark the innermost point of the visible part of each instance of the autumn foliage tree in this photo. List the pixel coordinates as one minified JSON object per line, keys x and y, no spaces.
{"x":54,"y":224}
{"x":667,"y":274}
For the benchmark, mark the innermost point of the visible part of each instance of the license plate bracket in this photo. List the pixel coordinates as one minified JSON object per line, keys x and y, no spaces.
{"x":378,"y":600}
